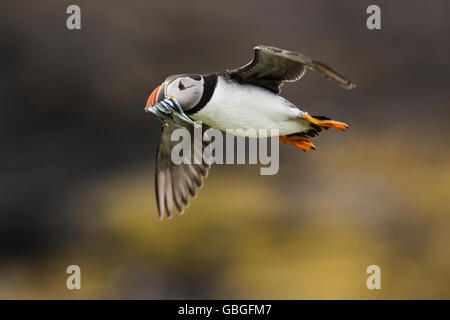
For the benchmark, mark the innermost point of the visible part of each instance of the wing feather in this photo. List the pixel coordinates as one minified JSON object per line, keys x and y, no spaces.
{"x":272,"y":66}
{"x":174,"y":183}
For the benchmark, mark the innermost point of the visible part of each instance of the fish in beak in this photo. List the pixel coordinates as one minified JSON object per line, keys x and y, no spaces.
{"x":167,"y":108}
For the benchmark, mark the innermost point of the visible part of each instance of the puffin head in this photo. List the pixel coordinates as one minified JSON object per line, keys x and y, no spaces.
{"x":187,"y":89}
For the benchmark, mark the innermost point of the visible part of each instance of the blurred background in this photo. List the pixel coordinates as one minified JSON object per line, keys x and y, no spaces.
{"x":77,"y":154}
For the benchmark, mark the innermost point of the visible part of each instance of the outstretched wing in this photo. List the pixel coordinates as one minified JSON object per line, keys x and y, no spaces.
{"x":174,"y":183}
{"x":271,"y":67}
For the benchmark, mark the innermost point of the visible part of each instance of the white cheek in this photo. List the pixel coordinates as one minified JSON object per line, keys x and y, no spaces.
{"x":189,"y":97}
{"x":184,"y":99}
{"x":196,"y":94}
{"x":171,"y":91}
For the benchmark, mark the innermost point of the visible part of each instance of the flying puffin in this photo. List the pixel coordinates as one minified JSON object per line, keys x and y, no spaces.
{"x":243,"y":98}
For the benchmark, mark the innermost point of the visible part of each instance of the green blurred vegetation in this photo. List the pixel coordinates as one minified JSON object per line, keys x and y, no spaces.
{"x":308,"y":233}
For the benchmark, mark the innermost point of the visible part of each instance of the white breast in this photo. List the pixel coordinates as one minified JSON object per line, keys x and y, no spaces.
{"x":236,"y":106}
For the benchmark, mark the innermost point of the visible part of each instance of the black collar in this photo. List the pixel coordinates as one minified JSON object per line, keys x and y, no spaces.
{"x":210,"y":81}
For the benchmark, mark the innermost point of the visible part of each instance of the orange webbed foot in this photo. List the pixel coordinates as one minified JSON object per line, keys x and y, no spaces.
{"x":328,"y":123}
{"x":300,"y":142}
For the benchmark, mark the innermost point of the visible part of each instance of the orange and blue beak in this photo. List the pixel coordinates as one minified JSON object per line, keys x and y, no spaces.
{"x":156,"y":106}
{"x":156,"y":96}
{"x":167,"y":109}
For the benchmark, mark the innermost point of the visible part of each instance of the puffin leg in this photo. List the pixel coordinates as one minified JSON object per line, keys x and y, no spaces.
{"x":298,"y":141}
{"x":324,"y":122}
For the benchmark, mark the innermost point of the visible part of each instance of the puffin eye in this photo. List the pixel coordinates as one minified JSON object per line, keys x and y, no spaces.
{"x":181,"y":85}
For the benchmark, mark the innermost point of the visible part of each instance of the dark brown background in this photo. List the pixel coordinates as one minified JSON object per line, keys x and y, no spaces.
{"x":77,"y":154}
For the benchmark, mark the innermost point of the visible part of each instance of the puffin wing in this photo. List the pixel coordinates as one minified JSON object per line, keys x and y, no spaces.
{"x":174,"y":183}
{"x":272,"y":66}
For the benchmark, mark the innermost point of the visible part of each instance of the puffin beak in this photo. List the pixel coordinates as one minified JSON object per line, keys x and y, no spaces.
{"x":159,"y":112}
{"x":153,"y":97}
{"x":166,"y":109}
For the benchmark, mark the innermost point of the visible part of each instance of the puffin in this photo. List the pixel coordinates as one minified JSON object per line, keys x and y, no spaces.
{"x":244,"y":98}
